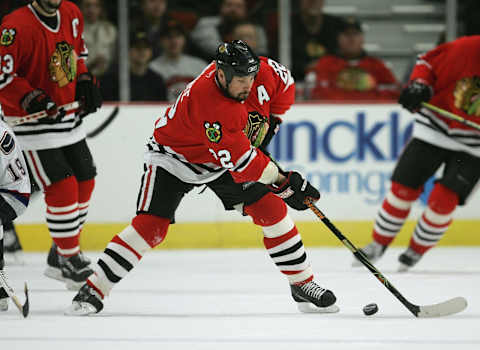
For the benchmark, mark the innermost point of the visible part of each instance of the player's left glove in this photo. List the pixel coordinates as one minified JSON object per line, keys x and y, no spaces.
{"x":88,"y":93}
{"x":294,"y":190}
{"x":414,"y":94}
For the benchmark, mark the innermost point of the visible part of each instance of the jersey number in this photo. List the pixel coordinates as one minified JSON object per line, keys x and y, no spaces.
{"x":16,"y":170}
{"x":280,"y":69}
{"x":224,"y":156}
{"x":6,"y":62}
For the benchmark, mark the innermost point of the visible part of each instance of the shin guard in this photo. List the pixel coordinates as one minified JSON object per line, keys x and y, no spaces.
{"x":281,"y":238}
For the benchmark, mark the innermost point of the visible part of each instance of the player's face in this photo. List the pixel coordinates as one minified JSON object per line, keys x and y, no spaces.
{"x":240,"y":87}
{"x":350,"y":43}
{"x":50,"y":5}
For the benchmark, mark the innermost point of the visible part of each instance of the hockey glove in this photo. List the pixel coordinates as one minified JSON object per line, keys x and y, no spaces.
{"x":88,"y":93}
{"x":414,"y":94}
{"x":272,"y":131}
{"x":294,"y":190}
{"x":38,"y":101}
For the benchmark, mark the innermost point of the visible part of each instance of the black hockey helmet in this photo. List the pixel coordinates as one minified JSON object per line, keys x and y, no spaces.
{"x":236,"y":58}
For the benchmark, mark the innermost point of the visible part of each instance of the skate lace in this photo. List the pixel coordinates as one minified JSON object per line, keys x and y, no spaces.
{"x":313,"y":290}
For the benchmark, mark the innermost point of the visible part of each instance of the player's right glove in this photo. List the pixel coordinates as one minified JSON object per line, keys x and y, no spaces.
{"x":88,"y":93}
{"x":414,"y":94}
{"x":294,"y":190}
{"x":37,"y":101}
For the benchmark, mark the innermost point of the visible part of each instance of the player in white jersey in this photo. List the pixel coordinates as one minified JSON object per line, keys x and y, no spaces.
{"x":14,"y":188}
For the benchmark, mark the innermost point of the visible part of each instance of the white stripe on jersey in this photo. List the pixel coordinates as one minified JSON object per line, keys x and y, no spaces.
{"x":38,"y":172}
{"x":437,"y":133}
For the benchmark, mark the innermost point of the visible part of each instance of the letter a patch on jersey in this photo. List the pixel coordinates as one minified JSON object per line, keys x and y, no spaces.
{"x":7,"y":143}
{"x":8,"y":37}
{"x":213,"y":131}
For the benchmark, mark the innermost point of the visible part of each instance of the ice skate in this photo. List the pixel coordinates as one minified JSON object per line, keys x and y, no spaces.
{"x":12,"y":247}
{"x":53,"y":269}
{"x":73,"y":270}
{"x":372,"y":251}
{"x":408,"y":259}
{"x":311,"y":298}
{"x":3,"y":300}
{"x":86,"y":302}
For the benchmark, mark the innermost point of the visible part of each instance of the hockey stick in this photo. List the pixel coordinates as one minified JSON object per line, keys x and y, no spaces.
{"x":25,"y":308}
{"x":451,"y":116}
{"x":104,"y":124}
{"x":449,"y":307}
{"x":13,"y":121}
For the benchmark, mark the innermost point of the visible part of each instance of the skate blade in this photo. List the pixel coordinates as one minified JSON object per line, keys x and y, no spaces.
{"x":403,"y":268}
{"x":310,"y":308}
{"x":54,"y":273}
{"x":80,"y":309}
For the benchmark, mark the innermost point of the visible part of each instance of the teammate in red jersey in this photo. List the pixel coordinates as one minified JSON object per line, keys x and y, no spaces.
{"x":201,"y":140}
{"x":447,"y":77}
{"x":42,"y":57}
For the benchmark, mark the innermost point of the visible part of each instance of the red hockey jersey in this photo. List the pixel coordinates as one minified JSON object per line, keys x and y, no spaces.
{"x":448,"y":69}
{"x":366,"y":79}
{"x":35,"y":56}
{"x":201,"y":135}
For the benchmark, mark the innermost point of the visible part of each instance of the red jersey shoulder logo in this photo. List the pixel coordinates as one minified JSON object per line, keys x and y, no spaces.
{"x":63,"y":64}
{"x":8,"y":36}
{"x":213,"y":131}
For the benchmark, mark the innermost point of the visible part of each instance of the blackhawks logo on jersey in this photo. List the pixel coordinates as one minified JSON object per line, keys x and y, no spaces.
{"x":213,"y":131}
{"x":63,"y":64}
{"x":8,"y":37}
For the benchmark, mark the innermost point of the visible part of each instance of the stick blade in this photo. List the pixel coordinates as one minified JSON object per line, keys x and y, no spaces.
{"x":449,"y":307}
{"x":26,"y":306}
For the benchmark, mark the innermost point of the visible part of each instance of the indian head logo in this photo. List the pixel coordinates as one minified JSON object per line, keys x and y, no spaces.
{"x":7,"y":37}
{"x":63,"y":64}
{"x":213,"y":131}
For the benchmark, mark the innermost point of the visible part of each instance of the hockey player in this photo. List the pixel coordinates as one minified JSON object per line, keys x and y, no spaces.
{"x":14,"y":189}
{"x":201,"y":140}
{"x":42,"y":67}
{"x":447,"y":77}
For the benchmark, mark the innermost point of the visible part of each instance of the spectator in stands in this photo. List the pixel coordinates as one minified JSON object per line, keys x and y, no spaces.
{"x":212,"y":31}
{"x":100,"y":36}
{"x":152,"y":16}
{"x":247,"y":32}
{"x":176,"y":68}
{"x":314,"y":34}
{"x":351,"y":74}
{"x":145,"y":85}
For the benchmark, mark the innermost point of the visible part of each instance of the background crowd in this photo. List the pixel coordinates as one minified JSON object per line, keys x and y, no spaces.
{"x":172,"y":41}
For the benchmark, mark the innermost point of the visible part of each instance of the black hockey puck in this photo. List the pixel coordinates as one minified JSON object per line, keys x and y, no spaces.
{"x":370,"y":309}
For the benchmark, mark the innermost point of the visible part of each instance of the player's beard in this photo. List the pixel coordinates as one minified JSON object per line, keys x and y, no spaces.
{"x":241,"y":96}
{"x":49,"y":6}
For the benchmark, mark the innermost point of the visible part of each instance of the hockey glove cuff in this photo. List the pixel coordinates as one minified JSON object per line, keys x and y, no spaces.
{"x":294,"y":190}
{"x":38,"y":101}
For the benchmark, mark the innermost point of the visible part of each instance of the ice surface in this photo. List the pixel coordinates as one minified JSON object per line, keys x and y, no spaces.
{"x":236,"y":299}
